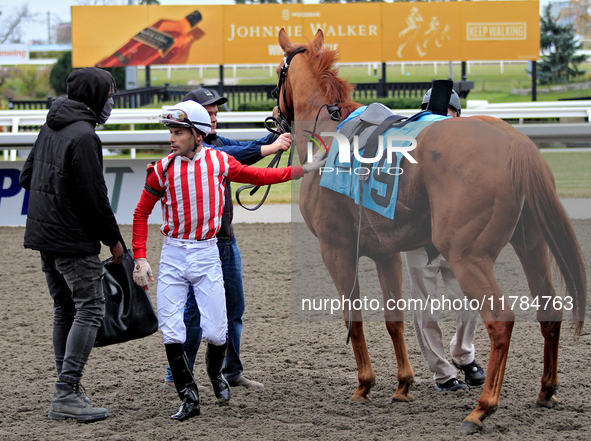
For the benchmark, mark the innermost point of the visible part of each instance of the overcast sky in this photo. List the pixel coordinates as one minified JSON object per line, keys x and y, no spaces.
{"x":59,"y":11}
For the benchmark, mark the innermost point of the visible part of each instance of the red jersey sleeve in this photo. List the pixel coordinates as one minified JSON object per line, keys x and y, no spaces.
{"x":143,"y":210}
{"x":238,"y":172}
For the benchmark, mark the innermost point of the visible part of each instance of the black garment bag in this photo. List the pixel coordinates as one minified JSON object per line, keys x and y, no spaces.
{"x":129,"y":313}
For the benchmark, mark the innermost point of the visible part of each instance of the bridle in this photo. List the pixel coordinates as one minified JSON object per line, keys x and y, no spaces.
{"x":281,"y":123}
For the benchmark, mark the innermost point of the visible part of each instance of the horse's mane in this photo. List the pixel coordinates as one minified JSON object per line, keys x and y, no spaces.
{"x":336,"y":90}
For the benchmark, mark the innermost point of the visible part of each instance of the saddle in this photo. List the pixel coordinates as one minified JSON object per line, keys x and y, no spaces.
{"x":366,"y":122}
{"x":376,"y":119}
{"x":373,"y":122}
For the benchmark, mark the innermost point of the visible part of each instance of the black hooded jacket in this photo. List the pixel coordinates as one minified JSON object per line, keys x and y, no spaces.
{"x":69,"y":210}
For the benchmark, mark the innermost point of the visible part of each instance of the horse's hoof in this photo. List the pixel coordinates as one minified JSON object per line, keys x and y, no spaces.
{"x":407,"y":399}
{"x":469,"y":427}
{"x":553,"y":401}
{"x":361,"y":399}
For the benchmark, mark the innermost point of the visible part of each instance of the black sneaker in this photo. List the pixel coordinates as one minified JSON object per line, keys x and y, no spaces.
{"x":474,"y":374}
{"x":451,"y":386}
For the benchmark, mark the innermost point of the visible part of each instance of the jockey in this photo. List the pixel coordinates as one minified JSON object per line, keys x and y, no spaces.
{"x":190,"y":185}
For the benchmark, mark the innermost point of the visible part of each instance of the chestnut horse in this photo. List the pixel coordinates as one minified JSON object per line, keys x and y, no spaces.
{"x":478,"y":184}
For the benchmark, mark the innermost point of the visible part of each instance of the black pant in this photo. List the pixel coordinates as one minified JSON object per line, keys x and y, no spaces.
{"x":75,"y":284}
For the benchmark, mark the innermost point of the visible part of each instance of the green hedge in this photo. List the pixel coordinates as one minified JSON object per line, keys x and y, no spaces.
{"x":392,"y":103}
{"x":137,"y":126}
{"x":257,"y":106}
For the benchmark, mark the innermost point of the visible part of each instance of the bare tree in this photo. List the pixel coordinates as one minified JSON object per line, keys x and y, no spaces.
{"x":10,"y":26}
{"x":578,"y":12}
{"x":62,"y":33}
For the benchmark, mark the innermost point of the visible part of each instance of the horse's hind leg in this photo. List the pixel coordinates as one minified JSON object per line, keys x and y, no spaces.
{"x":532,"y":251}
{"x":340,"y":263}
{"x":477,"y":281}
{"x":390,"y":275}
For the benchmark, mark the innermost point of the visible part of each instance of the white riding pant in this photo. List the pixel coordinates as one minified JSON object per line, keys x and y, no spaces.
{"x":184,"y":263}
{"x":423,"y":283}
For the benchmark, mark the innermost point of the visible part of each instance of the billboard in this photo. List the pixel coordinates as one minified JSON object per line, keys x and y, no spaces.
{"x":489,"y":31}
{"x":125,"y":179}
{"x":422,"y":33}
{"x":107,"y":36}
{"x":14,"y":54}
{"x":250,"y":35}
{"x":143,"y":35}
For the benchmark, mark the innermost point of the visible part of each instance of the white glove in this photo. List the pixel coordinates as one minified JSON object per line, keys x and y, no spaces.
{"x":142,"y":273}
{"x":316,"y":163}
{"x":313,"y":166}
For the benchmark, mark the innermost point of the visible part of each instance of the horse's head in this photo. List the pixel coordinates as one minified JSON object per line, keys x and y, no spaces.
{"x":284,"y":91}
{"x":288,"y":47}
{"x":314,"y":70}
{"x":307,"y":80}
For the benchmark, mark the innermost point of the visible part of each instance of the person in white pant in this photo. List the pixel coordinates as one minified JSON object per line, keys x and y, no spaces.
{"x":190,"y":185}
{"x":423,"y":285}
{"x":422,"y":275}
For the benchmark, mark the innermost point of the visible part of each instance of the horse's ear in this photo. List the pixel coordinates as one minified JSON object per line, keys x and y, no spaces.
{"x":284,"y":41}
{"x":318,"y":41}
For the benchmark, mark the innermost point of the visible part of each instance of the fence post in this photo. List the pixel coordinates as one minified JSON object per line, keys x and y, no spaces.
{"x":10,"y":103}
{"x":49,"y":102}
{"x":166,"y":94}
{"x":534,"y":81}
{"x":221,"y":83}
{"x":382,"y":92}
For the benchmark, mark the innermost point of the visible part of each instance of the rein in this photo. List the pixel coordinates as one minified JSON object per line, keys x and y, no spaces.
{"x":282,"y":126}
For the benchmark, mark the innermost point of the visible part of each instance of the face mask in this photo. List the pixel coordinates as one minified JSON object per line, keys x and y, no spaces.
{"x":106,"y":111}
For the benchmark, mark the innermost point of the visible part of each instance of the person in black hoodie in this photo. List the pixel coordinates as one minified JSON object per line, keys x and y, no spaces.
{"x":69,"y":215}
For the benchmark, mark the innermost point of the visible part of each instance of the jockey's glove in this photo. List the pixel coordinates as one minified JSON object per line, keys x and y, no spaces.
{"x":142,"y":273}
{"x":316,"y":163}
{"x":313,"y":166}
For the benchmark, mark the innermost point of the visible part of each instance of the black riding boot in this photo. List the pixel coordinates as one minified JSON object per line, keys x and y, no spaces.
{"x":183,"y":381}
{"x":214,"y":359}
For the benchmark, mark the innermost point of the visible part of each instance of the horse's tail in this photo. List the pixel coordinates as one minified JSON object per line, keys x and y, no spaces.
{"x":532,"y":174}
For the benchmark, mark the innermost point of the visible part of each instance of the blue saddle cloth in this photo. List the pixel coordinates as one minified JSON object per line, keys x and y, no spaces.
{"x":380,"y":191}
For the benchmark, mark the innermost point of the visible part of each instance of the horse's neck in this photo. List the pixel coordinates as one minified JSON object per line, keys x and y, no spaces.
{"x":307,"y":105}
{"x":309,"y":131}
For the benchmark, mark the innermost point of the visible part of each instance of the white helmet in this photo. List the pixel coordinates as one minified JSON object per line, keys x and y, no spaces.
{"x":454,"y":101}
{"x":187,"y":114}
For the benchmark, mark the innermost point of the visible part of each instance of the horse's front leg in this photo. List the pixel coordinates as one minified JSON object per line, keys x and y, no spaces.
{"x":340,"y":263}
{"x":365,"y":373}
{"x":390,"y":274}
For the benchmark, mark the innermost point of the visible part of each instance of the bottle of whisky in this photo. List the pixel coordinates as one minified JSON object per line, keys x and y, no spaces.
{"x":161,"y":43}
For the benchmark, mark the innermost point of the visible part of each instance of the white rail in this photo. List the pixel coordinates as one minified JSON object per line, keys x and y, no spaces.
{"x":11,"y":120}
{"x":563,"y":111}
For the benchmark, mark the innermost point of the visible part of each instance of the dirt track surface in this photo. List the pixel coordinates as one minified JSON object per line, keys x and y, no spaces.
{"x":308,"y":371}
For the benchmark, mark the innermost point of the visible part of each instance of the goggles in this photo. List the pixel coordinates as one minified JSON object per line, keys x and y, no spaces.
{"x":175,"y":117}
